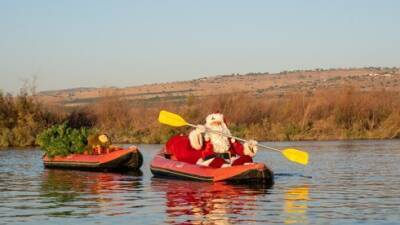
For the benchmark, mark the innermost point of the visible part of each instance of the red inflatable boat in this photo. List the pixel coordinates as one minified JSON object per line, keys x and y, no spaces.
{"x":163,"y":166}
{"x":119,"y":159}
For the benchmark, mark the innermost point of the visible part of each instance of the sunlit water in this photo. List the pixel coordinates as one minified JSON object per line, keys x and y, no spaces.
{"x":345,"y":183}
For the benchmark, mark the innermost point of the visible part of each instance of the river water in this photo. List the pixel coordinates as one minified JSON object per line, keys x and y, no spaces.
{"x":347,"y":182}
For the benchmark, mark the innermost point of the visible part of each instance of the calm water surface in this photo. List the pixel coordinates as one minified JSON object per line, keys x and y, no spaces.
{"x":345,"y":183}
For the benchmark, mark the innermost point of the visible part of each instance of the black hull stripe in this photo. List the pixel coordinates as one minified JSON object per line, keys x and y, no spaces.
{"x":162,"y":171}
{"x":69,"y":164}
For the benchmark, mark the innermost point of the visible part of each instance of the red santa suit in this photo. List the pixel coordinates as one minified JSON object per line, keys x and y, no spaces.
{"x":180,"y":149}
{"x":210,"y":149}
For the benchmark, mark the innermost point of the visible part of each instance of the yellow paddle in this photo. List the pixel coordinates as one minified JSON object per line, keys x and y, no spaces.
{"x":175,"y":120}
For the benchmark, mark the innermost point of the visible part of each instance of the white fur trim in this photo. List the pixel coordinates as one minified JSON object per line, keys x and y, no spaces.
{"x":196,"y":139}
{"x":214,"y":117}
{"x":233,"y":158}
{"x":201,"y":162}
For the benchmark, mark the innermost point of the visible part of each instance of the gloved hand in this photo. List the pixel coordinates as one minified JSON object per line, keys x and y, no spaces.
{"x":250,"y":148}
{"x":196,"y":137}
{"x":200,"y":128}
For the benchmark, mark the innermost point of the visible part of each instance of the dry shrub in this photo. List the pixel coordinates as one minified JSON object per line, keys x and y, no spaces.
{"x":390,"y":127}
{"x":22,"y":117}
{"x":339,"y":113}
{"x":345,"y":113}
{"x":112,"y":112}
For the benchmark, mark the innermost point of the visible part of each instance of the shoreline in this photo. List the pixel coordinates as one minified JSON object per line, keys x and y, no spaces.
{"x":263,"y":141}
{"x":345,"y":113}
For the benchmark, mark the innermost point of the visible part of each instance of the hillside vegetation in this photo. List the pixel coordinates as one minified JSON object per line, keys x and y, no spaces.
{"x":324,"y":109}
{"x":345,"y":113}
{"x":257,"y":84}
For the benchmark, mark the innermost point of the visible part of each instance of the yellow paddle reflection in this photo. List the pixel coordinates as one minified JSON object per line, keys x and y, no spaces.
{"x":296,"y":205}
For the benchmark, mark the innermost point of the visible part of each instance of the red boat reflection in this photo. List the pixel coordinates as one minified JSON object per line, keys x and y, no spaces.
{"x":189,"y":202}
{"x":83,"y":188}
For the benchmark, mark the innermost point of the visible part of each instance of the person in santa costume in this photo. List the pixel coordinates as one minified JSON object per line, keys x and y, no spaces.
{"x":213,"y":149}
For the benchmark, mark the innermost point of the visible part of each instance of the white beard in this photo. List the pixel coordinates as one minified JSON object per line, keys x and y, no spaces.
{"x":220,"y":143}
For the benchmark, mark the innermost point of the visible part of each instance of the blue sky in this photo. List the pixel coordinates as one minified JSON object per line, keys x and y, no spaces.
{"x":71,"y":43}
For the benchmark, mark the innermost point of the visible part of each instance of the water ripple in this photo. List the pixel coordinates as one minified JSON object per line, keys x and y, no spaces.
{"x":346,"y":183}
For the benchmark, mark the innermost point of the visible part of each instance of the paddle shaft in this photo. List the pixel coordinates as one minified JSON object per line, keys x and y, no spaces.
{"x":237,"y":138}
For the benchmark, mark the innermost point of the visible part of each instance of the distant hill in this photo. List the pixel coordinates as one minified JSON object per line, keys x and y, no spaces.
{"x":258,"y":84}
{"x":69,"y":91}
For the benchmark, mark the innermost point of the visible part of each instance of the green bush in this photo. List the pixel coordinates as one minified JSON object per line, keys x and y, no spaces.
{"x":63,"y":140}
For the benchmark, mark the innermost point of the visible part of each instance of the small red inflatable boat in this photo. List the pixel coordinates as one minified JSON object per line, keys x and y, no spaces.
{"x":163,"y":166}
{"x":130,"y":158}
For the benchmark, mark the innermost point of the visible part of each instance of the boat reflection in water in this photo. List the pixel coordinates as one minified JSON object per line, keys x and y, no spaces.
{"x":92,"y":192}
{"x":189,"y":202}
{"x":296,"y":205}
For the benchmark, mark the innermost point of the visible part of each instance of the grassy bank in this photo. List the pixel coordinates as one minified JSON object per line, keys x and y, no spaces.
{"x":326,"y":114}
{"x":321,"y":115}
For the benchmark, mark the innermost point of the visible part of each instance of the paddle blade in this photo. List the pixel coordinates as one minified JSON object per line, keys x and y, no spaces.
{"x":171,"y":119}
{"x":296,"y":155}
